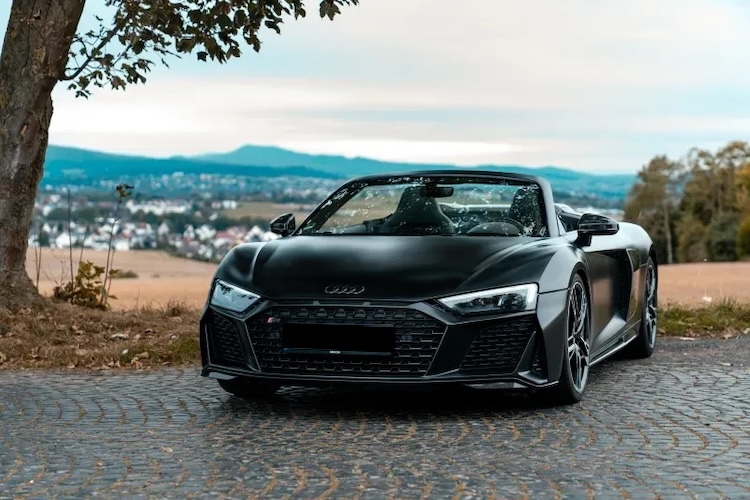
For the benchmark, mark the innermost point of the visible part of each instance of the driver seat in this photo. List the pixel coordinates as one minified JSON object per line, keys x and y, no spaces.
{"x":416,"y":213}
{"x":527,"y":210}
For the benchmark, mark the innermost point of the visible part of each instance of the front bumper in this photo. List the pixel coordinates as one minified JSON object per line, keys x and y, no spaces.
{"x":433,"y":345}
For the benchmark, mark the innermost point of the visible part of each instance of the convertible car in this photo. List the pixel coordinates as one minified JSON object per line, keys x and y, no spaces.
{"x":438,"y":277}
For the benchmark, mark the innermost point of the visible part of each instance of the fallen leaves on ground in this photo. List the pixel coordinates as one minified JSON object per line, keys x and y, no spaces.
{"x":64,"y":336}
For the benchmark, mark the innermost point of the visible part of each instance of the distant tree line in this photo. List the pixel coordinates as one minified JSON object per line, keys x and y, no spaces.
{"x":696,"y":208}
{"x":585,"y":200}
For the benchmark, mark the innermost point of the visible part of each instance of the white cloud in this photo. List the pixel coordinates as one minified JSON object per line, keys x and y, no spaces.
{"x":709,"y":125}
{"x":397,"y":150}
{"x":575,"y":43}
{"x":592,"y":85}
{"x":192,"y":116}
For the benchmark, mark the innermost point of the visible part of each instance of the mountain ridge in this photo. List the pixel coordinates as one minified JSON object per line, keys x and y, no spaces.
{"x":66,"y":163}
{"x":244,"y":156}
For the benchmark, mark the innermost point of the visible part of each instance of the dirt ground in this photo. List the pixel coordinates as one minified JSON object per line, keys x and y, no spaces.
{"x":162,"y":278}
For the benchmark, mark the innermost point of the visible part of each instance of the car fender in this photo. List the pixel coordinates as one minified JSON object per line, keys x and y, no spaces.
{"x":237,"y":265}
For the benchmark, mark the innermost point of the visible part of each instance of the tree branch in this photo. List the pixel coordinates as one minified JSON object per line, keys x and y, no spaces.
{"x":97,"y":49}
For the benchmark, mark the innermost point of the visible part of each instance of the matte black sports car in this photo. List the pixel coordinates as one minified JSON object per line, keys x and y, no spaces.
{"x":432,"y":278}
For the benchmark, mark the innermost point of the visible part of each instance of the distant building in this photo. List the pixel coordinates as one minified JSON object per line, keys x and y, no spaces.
{"x":157,"y":207}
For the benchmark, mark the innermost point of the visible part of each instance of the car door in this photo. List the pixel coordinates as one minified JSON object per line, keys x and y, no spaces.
{"x":613,"y":270}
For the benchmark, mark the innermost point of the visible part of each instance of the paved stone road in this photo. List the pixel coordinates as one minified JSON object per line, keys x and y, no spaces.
{"x":674,"y":426}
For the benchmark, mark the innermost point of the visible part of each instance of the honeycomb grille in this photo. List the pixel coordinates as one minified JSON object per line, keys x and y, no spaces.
{"x":417,"y":337}
{"x":225,"y":340}
{"x":499,"y":347}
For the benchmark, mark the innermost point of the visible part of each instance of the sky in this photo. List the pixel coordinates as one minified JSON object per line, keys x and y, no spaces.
{"x":594,"y":85}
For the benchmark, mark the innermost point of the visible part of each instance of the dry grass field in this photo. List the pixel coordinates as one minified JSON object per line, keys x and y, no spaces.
{"x":705,"y":282}
{"x":162,"y":278}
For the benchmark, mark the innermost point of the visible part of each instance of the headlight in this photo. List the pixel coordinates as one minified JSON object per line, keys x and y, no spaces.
{"x":500,"y":300}
{"x":231,"y":297}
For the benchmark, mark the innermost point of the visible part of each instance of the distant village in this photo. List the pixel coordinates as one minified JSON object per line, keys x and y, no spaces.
{"x":189,"y":228}
{"x":193,"y":241}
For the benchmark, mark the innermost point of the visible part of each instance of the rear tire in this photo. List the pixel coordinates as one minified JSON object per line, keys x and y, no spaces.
{"x":249,"y":389}
{"x":643,"y":345}
{"x":576,"y":353}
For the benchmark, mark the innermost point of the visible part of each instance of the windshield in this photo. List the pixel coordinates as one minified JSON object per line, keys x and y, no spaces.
{"x":432,"y":206}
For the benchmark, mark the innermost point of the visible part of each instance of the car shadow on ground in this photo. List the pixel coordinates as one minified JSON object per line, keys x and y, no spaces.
{"x":449,"y":400}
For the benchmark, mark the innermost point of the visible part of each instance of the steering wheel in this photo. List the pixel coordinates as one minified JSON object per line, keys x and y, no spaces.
{"x":521,"y":228}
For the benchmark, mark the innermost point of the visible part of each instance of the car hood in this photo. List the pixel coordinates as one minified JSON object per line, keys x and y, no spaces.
{"x":388,"y":267}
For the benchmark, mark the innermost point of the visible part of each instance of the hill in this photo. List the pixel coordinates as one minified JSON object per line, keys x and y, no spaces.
{"x":562,"y":179}
{"x":66,"y":164}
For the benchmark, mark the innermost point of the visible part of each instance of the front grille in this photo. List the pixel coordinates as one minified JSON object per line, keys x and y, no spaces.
{"x":499,"y":347}
{"x":417,"y":337}
{"x":225,"y":340}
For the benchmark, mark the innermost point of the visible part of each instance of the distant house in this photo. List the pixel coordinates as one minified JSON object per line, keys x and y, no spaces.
{"x":62,"y":240}
{"x":205,"y":232}
{"x":121,"y":245}
{"x":96,"y":242}
{"x":157,"y":207}
{"x":189,"y":232}
{"x":163,"y":230}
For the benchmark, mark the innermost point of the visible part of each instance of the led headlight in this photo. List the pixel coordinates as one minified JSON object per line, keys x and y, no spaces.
{"x":500,"y":300}
{"x":231,"y":297}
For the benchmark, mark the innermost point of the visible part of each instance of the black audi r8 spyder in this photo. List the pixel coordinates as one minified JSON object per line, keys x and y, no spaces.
{"x":438,"y":277}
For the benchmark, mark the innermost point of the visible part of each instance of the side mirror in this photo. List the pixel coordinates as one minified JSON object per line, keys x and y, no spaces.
{"x":283,"y":225}
{"x":595,"y":225}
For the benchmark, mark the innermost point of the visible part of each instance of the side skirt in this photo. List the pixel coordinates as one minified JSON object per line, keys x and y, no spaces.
{"x":621,"y":343}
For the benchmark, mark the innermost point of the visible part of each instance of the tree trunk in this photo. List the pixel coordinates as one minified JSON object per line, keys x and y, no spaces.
{"x":33,"y":59}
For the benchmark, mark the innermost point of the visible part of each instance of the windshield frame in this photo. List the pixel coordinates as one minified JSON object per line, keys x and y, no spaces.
{"x":340,"y":196}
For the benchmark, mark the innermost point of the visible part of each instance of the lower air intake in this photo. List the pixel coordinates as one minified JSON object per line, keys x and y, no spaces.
{"x":226,"y":347}
{"x":499,"y":347}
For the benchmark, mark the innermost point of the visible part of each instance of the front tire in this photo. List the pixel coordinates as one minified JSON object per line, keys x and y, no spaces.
{"x":248,"y":389}
{"x":643,"y":345}
{"x":576,"y":355}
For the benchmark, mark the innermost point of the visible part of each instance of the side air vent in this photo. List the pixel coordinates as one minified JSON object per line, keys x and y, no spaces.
{"x":623,"y":286}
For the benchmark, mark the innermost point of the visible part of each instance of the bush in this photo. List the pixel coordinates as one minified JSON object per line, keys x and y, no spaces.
{"x":87,"y":288}
{"x":743,"y":238}
{"x":118,"y":273}
{"x":722,"y":237}
{"x":691,"y":244}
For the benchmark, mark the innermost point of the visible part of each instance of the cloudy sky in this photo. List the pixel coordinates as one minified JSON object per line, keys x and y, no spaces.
{"x":599,"y":85}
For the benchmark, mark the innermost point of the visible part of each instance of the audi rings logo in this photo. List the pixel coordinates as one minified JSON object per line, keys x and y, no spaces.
{"x":344,"y":289}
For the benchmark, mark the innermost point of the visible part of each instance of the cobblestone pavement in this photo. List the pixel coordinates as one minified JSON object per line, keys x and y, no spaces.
{"x":674,"y":426}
